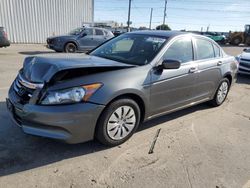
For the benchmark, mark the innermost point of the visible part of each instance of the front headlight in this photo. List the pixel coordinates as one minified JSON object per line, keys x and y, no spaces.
{"x":71,"y":95}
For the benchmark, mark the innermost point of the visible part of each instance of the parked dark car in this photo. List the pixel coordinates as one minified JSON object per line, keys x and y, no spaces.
{"x":108,"y":92}
{"x":4,"y":42}
{"x":117,"y":33}
{"x":80,"y":39}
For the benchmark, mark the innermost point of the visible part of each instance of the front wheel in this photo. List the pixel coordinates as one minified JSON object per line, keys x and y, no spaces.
{"x":70,"y":48}
{"x":221,"y":93}
{"x":118,"y":122}
{"x":237,"y":41}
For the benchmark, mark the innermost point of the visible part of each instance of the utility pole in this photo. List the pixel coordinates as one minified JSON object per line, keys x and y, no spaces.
{"x":150,"y":22}
{"x":129,"y":8}
{"x":165,"y":14}
{"x":208,"y":27}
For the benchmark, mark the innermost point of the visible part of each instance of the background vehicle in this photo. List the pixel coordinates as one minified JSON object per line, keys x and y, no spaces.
{"x":80,"y":39}
{"x":221,"y":39}
{"x":108,"y":92}
{"x":117,"y":33}
{"x":4,"y":42}
{"x":236,"y":38}
{"x":244,"y":62}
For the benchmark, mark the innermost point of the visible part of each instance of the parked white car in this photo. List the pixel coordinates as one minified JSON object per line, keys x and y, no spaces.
{"x":244,"y":62}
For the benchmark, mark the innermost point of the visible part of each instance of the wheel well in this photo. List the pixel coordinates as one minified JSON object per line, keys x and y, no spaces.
{"x":137,"y":99}
{"x":229,"y":77}
{"x":68,"y":43}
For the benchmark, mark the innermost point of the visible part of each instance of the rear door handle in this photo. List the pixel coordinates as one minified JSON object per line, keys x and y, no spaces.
{"x":219,"y":63}
{"x":193,"y":69}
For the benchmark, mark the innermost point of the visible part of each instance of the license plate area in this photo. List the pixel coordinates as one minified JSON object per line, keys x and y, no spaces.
{"x":12,"y":112}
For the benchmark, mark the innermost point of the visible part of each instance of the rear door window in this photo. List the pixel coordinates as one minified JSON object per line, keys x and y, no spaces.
{"x":204,"y":48}
{"x":98,"y":32}
{"x":216,"y":51}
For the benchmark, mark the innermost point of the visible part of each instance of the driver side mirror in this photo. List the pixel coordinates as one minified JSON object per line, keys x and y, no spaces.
{"x":170,"y":64}
{"x":83,"y":34}
{"x":246,"y":49}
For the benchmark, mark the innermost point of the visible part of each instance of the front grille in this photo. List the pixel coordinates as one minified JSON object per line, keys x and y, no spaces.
{"x":243,"y":64}
{"x":50,"y":41}
{"x":242,"y":59}
{"x":23,"y":92}
{"x":25,"y":89}
{"x":243,"y":70}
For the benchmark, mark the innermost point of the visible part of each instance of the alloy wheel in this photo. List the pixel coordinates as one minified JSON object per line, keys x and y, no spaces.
{"x":121,"y":122}
{"x":222,"y":92}
{"x":71,"y":48}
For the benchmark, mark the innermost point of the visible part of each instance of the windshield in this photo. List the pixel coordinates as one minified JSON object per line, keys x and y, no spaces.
{"x":133,"y":49}
{"x":76,"y":31}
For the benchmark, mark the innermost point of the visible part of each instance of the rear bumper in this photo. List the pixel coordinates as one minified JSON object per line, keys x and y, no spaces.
{"x":4,"y":43}
{"x":73,"y":123}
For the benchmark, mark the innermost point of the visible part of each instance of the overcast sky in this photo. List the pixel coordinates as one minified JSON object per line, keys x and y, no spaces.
{"x":221,"y":15}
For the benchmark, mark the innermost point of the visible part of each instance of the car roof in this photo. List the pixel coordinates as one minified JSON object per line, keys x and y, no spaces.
{"x":96,"y":28}
{"x":160,"y":33}
{"x":169,"y":34}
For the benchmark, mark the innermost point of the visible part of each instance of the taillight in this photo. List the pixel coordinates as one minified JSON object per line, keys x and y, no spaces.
{"x":5,"y":35}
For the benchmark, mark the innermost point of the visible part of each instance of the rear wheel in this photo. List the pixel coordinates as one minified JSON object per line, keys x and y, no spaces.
{"x":118,"y":122}
{"x":237,"y":40}
{"x":70,"y":48}
{"x":248,"y":41}
{"x":221,"y":93}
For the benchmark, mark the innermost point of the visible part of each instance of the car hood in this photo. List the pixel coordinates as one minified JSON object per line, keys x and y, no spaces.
{"x":245,"y":55}
{"x":62,"y":36}
{"x":39,"y":69}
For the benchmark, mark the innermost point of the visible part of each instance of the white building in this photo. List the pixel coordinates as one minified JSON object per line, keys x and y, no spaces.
{"x":32,"y":21}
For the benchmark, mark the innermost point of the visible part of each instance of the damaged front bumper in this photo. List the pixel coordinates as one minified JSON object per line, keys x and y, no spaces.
{"x":72,"y":123}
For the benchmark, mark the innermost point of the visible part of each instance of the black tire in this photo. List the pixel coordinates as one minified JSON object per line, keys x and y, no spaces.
{"x":248,"y":41}
{"x":222,"y":42}
{"x":102,"y":125}
{"x":70,"y":48}
{"x":215,"y":101}
{"x":237,"y":40}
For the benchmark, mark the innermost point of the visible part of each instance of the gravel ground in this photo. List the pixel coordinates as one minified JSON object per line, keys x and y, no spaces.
{"x":197,"y":147}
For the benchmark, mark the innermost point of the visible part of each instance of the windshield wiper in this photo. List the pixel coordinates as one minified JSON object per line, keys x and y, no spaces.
{"x":113,"y":59}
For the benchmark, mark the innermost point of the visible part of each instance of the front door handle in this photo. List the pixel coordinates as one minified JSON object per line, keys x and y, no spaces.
{"x":193,"y":69}
{"x":219,"y":63}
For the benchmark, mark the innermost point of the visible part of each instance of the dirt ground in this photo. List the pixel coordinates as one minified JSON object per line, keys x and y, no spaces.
{"x":199,"y":147}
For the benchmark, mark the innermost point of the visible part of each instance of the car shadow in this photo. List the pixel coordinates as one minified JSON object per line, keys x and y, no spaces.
{"x":37,"y":52}
{"x":243,"y":79}
{"x":20,"y":152}
{"x":173,"y":115}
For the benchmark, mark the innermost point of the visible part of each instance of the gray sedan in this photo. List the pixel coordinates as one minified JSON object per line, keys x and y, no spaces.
{"x":109,"y":92}
{"x":80,"y":39}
